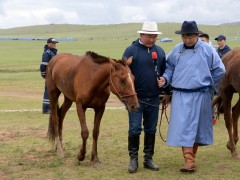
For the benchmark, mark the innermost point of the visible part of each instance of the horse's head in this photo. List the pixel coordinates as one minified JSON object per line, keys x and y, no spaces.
{"x":122,"y":84}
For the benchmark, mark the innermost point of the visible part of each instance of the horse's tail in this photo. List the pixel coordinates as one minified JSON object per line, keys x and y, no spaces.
{"x":51,"y":134}
{"x":217,"y":102}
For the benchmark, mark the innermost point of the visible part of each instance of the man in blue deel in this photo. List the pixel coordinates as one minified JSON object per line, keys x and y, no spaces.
{"x":192,"y":68}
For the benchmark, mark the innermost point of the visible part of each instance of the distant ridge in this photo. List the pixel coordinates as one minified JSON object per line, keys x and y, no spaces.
{"x":231,"y":24}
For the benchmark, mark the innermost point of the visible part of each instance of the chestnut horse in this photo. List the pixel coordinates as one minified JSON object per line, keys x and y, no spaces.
{"x":86,"y":80}
{"x":229,"y":85}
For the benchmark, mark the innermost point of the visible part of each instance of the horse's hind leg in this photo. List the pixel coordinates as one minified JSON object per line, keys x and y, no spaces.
{"x":84,"y":131}
{"x":97,"y":120}
{"x":229,"y":122}
{"x":235,"y":116}
{"x":67,"y":103}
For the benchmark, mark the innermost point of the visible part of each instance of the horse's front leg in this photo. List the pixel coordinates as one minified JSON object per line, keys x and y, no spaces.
{"x":84,"y":131}
{"x":97,"y":120}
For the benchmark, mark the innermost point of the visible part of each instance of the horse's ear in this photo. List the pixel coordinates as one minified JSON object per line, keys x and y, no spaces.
{"x":129,"y":61}
{"x":111,"y":60}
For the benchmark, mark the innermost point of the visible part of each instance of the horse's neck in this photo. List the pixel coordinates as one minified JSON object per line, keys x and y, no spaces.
{"x":103,"y":77}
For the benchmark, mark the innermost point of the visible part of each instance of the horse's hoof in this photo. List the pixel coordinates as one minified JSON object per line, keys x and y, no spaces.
{"x":60,"y":154}
{"x":81,"y":157}
{"x":228,"y":146}
{"x":235,"y":156}
{"x":95,"y":160}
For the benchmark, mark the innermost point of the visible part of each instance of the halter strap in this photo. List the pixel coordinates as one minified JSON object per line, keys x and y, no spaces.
{"x":121,"y":96}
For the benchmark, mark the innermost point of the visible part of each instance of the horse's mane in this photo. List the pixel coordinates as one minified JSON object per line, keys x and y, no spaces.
{"x":102,"y":59}
{"x":97,"y":58}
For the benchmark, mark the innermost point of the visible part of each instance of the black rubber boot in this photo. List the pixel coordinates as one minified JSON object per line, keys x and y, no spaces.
{"x":149,"y":141}
{"x":133,"y":147}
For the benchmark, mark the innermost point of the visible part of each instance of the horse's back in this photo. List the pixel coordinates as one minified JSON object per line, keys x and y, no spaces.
{"x":77,"y":76}
{"x":66,"y":66}
{"x":62,"y":62}
{"x":231,"y":58}
{"x":66,"y":62}
{"x":231,"y":61}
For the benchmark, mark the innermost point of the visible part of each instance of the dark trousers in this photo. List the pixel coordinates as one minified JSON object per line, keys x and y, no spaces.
{"x":46,"y":102}
{"x":147,"y":115}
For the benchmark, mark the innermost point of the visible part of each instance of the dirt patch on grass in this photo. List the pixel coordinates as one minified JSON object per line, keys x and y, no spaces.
{"x":6,"y":136}
{"x":17,"y":94}
{"x":112,"y":101}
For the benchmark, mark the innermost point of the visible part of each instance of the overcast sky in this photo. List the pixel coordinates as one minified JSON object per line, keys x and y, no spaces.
{"x":17,"y":13}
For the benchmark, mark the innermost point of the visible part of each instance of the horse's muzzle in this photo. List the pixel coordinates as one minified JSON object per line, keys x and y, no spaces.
{"x":133,"y":108}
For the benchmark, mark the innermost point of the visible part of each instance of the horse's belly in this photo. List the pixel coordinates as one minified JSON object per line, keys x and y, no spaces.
{"x":95,"y":100}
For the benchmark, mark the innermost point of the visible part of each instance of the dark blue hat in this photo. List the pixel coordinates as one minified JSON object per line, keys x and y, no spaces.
{"x":189,"y":27}
{"x":52,"y":40}
{"x":220,"y":37}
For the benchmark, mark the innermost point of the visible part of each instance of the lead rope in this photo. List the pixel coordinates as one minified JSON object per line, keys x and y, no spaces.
{"x":163,"y":111}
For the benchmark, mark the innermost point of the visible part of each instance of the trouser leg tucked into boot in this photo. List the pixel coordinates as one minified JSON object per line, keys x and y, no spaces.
{"x":133,"y":147}
{"x":189,"y":165}
{"x":149,"y":141}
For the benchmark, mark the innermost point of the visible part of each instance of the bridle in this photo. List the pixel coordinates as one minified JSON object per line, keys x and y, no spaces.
{"x":122,"y":97}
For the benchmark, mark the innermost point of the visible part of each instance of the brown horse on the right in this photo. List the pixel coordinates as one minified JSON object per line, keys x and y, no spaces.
{"x":229,"y":85}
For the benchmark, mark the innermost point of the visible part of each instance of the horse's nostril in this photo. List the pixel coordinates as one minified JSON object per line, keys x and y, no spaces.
{"x":133,"y":107}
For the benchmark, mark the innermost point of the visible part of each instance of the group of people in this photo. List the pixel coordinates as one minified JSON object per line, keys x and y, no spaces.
{"x":193,"y":70}
{"x":221,"y":49}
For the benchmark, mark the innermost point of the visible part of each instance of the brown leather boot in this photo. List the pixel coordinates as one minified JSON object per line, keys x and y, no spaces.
{"x":189,"y":165}
{"x":195,"y":148}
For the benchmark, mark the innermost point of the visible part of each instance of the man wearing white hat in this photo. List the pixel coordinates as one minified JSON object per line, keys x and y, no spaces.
{"x":148,"y":64}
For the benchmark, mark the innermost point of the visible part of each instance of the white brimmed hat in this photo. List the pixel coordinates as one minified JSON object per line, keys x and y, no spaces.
{"x":149,"y":28}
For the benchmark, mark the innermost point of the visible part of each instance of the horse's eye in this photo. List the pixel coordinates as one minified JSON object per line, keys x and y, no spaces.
{"x":122,"y":81}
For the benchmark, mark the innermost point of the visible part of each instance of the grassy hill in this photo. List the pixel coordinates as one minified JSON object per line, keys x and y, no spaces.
{"x":109,"y":40}
{"x":231,"y":24}
{"x":112,"y":31}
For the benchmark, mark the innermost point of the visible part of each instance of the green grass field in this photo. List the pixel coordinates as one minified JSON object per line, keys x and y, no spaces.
{"x":25,"y":153}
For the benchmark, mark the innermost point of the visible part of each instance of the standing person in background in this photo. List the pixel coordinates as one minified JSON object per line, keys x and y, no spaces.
{"x":205,"y":38}
{"x":192,"y":67}
{"x":148,"y":63}
{"x":49,"y":51}
{"x":223,"y":48}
